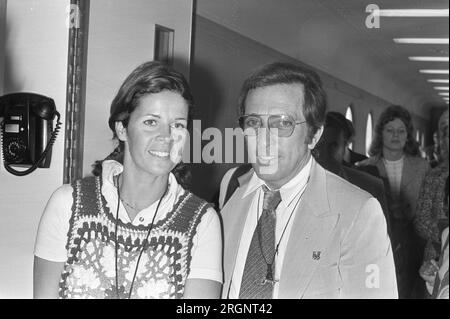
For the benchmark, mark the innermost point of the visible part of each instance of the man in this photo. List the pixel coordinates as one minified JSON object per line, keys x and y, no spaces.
{"x":292,"y":229}
{"x":350,"y":156}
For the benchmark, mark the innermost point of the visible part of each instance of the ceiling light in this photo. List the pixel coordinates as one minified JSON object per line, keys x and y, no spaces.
{"x":434,"y":71}
{"x":429,"y":58}
{"x":411,"y":12}
{"x":438,"y":80}
{"x":421,"y":40}
{"x":443,"y":93}
{"x":443,"y":88}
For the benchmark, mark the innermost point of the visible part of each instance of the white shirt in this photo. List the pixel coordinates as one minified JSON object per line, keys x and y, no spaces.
{"x":290,"y":198}
{"x":51,"y":238}
{"x":394,"y":171}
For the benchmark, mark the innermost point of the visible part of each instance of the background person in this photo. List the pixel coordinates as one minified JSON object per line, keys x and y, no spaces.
{"x":431,"y":206}
{"x":395,"y":153}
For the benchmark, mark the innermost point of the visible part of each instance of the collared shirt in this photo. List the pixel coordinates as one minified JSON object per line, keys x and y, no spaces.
{"x":291,"y":194}
{"x":51,"y":239}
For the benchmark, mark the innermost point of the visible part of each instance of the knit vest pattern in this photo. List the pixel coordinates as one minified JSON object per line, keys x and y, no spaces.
{"x":89,"y":271}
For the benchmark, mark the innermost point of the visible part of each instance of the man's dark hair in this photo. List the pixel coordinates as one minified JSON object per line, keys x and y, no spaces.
{"x":339,"y":121}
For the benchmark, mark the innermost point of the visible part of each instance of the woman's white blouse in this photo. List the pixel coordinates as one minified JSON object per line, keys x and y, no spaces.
{"x":51,"y":238}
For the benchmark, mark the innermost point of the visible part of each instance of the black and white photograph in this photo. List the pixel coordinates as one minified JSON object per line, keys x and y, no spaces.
{"x":243,"y":151}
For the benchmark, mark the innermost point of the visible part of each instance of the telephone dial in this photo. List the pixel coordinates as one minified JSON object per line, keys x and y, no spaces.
{"x":27,"y":133}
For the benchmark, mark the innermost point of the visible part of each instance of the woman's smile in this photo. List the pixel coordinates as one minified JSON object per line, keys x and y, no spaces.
{"x":161,"y":154}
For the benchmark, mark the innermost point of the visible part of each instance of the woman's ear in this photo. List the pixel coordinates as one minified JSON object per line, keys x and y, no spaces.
{"x":315,"y":139}
{"x":121,"y":131}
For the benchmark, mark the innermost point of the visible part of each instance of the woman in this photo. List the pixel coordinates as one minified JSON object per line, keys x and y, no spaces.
{"x":396,"y":155}
{"x":435,"y":273}
{"x":133,"y":231}
{"x":431,"y":207}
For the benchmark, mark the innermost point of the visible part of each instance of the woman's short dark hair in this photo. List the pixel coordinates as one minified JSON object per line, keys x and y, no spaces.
{"x":148,"y":78}
{"x":391,"y":113}
{"x":315,"y":101}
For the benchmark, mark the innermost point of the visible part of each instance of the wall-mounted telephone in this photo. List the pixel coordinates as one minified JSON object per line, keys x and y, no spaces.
{"x":27,"y":133}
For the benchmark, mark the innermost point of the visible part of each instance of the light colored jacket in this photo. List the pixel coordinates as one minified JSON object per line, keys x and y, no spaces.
{"x":342,"y":222}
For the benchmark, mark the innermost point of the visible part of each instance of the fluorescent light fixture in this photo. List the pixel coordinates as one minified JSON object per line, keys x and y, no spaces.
{"x":441,"y":88}
{"x":443,"y":93}
{"x":429,"y":58}
{"x":411,"y":12}
{"x":438,"y":80}
{"x":434,"y":71}
{"x":421,"y":40}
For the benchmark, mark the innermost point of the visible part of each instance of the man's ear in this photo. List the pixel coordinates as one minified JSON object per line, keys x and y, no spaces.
{"x":315,"y":138}
{"x":121,"y":131}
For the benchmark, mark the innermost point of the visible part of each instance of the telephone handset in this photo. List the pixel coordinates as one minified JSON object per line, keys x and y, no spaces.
{"x":27,"y":133}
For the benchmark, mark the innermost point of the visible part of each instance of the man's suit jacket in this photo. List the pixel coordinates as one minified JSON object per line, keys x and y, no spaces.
{"x":370,"y":184}
{"x":338,"y":246}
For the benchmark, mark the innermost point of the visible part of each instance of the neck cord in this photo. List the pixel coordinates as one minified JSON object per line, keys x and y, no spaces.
{"x":258,"y":225}
{"x":143,"y":242}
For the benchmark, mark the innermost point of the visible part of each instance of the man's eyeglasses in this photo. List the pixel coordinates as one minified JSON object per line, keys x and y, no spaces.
{"x":283,"y":124}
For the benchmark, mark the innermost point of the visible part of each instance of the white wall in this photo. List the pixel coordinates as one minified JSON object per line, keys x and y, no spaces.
{"x":121,"y":36}
{"x":35,"y":60}
{"x":2,"y":42}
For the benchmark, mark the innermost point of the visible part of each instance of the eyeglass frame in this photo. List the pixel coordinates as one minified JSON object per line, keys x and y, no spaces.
{"x":267,"y":121}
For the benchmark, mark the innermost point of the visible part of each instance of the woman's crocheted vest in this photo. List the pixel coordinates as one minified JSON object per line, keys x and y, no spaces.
{"x":165,"y":263}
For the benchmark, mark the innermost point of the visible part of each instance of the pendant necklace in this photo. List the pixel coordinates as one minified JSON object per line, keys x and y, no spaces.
{"x":144,"y":242}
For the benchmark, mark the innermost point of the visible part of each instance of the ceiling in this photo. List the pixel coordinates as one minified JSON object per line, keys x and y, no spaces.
{"x":332,"y":36}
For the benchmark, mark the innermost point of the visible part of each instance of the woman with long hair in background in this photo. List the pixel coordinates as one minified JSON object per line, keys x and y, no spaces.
{"x":395,"y":153}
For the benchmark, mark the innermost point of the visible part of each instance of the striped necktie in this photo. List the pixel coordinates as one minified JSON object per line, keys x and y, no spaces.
{"x":261,"y":254}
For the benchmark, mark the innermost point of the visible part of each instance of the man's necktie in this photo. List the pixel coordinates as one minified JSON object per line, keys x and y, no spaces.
{"x":261,"y":254}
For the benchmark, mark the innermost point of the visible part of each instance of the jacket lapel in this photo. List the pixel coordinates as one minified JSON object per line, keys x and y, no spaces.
{"x":381,"y":168}
{"x":311,"y":232}
{"x":407,"y":172}
{"x":234,"y":216}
